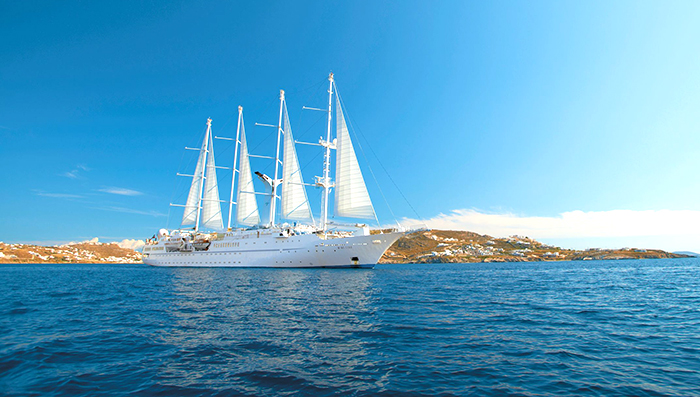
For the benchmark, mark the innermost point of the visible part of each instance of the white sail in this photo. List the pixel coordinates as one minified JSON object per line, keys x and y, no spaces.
{"x":351,"y":196}
{"x":189,"y":217}
{"x":211,"y":208}
{"x":246,"y":204}
{"x":295,"y":203}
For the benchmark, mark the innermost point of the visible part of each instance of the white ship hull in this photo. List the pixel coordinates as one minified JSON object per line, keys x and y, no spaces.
{"x":273,"y":248}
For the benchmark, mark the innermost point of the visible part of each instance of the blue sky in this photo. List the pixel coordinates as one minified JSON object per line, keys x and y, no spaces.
{"x":496,"y":117}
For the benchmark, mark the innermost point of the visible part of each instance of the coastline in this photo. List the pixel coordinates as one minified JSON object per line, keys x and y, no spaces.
{"x":433,"y":246}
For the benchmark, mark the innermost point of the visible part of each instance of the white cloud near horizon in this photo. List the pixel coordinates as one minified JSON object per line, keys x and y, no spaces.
{"x":121,"y":191}
{"x":578,"y":226}
{"x":131,"y":244}
{"x":93,"y":240}
{"x":128,"y":243}
{"x":134,"y":244}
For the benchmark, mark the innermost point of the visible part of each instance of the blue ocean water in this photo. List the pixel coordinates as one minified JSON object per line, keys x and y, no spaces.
{"x":521,"y":329}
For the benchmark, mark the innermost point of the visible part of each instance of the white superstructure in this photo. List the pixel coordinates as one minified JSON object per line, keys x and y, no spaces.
{"x":274,"y":242}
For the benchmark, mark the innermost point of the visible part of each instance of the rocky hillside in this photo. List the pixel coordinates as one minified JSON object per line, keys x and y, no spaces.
{"x":84,"y":252}
{"x":457,"y":246}
{"x":433,"y":246}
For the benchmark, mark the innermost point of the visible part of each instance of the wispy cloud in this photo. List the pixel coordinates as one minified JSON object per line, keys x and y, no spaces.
{"x":121,"y":191}
{"x":59,"y":195}
{"x":131,"y":211}
{"x":75,"y":173}
{"x":71,"y":174}
{"x":615,"y":225}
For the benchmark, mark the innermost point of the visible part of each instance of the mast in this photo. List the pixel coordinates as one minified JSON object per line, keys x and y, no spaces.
{"x":275,"y":182}
{"x":235,"y":160}
{"x":201,"y":185}
{"x":325,"y":182}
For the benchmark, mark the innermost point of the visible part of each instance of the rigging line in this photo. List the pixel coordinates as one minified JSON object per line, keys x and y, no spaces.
{"x":263,"y":141}
{"x":301,"y":111}
{"x":303,"y":134}
{"x":227,"y":147}
{"x":227,"y":121}
{"x":308,"y":99}
{"x":385,"y":170}
{"x":175,"y":188}
{"x":267,"y":105}
{"x":225,"y":150}
{"x":313,"y":89}
{"x":266,"y":169}
{"x":311,"y":161}
{"x":309,"y":88}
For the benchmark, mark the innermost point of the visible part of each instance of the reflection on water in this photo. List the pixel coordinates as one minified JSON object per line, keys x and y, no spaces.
{"x":259,"y":320}
{"x":567,"y":328}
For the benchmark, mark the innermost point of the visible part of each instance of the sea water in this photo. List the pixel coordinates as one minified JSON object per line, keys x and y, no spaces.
{"x":546,"y":328}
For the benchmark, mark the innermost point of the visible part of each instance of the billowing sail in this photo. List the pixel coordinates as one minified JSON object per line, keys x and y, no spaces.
{"x":351,"y":196}
{"x":295,"y":203}
{"x":246,"y":204}
{"x":211,"y":208}
{"x":190,"y":215}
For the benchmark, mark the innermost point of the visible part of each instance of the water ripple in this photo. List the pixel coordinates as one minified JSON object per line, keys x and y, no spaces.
{"x":527,"y":329}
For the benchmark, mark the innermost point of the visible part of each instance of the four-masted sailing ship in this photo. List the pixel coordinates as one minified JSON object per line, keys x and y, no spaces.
{"x":202,"y":241}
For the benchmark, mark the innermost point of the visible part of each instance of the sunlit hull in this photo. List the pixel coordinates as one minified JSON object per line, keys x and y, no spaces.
{"x":270,"y":249}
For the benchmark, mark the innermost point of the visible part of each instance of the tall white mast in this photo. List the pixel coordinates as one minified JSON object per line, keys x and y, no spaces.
{"x":201,"y":185}
{"x":275,"y":181}
{"x":235,"y":160}
{"x":326,"y":182}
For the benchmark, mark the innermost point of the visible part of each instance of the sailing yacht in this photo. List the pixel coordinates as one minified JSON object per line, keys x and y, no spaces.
{"x":291,"y":238}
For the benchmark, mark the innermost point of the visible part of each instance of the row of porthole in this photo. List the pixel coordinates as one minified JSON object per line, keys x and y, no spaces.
{"x":227,"y":253}
{"x":240,"y":253}
{"x":198,"y":263}
{"x":227,"y":245}
{"x":211,"y":253}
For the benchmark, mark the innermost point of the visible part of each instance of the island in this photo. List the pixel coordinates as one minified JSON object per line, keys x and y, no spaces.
{"x":91,"y":251}
{"x":426,"y":246}
{"x":451,"y":246}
